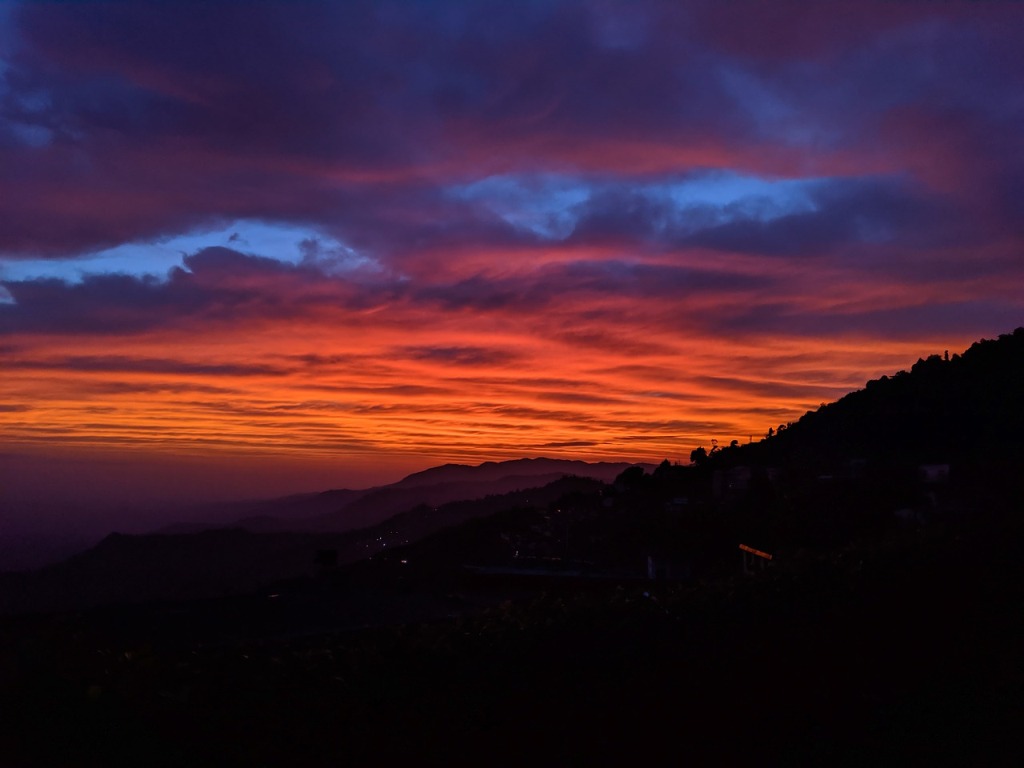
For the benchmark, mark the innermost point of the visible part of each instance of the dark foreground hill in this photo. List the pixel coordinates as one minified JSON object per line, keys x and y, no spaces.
{"x":907,"y":654}
{"x":968,"y":408}
{"x":222,"y":562}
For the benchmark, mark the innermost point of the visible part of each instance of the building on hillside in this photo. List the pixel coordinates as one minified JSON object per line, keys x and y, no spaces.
{"x":934,"y":473}
{"x":669,"y":568}
{"x":729,"y":484}
{"x":677,"y":504}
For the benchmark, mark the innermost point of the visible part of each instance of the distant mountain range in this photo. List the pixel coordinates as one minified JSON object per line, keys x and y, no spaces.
{"x":345,"y":510}
{"x":491,"y":471}
{"x":191,"y":561}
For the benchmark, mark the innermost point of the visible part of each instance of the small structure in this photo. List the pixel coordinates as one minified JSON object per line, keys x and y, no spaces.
{"x":662,"y":568}
{"x":934,"y":473}
{"x":754,"y":559}
{"x":677,"y":504}
{"x":729,"y":484}
{"x":908,"y":515}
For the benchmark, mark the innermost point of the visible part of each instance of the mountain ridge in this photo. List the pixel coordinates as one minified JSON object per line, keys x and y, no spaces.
{"x":344,"y":509}
{"x":966,"y":407}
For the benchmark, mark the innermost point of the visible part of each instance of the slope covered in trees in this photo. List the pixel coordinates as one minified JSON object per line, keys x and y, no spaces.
{"x":964,"y":408}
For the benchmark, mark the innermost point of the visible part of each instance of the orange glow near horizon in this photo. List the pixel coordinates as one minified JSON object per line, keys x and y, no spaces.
{"x":458,"y":387}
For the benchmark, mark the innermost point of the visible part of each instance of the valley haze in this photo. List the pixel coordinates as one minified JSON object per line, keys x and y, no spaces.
{"x":43,"y":530}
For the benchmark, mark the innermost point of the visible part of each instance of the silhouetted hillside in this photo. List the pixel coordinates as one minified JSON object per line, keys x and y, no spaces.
{"x":285,"y":513}
{"x":134,"y":568}
{"x":967,"y":407}
{"x":495,"y":470}
{"x":386,"y":502}
{"x":220,"y":562}
{"x":345,"y":510}
{"x":424,"y":520}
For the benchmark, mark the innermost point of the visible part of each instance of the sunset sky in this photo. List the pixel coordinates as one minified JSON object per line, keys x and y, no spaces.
{"x":259,"y":247}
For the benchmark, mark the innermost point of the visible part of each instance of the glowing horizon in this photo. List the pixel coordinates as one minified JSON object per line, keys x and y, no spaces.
{"x":395,"y":235}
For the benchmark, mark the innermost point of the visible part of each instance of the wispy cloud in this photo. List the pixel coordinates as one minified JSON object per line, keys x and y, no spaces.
{"x":458,"y":230}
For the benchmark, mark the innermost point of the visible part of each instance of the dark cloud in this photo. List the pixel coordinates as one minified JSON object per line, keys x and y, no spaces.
{"x":970,"y":318}
{"x":226,"y":262}
{"x":783,"y":390}
{"x":384,"y":390}
{"x":837,"y":214}
{"x":847,"y":214}
{"x":460,"y":356}
{"x":357,"y":116}
{"x":483,"y":294}
{"x":322,"y":361}
{"x":150,"y":387}
{"x":596,"y":340}
{"x":220,"y":285}
{"x":119,"y":364}
{"x":657,"y":279}
{"x":632,"y":429}
{"x":625,"y":214}
{"x":100,"y":304}
{"x":579,"y":397}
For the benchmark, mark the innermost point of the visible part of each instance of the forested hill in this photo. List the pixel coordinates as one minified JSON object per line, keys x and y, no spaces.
{"x":967,"y":407}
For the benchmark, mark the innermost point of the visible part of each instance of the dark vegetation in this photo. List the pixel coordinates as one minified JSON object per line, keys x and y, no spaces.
{"x":607,"y":623}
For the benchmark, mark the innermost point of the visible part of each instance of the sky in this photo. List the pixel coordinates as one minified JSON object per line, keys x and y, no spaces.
{"x":250,"y":248}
